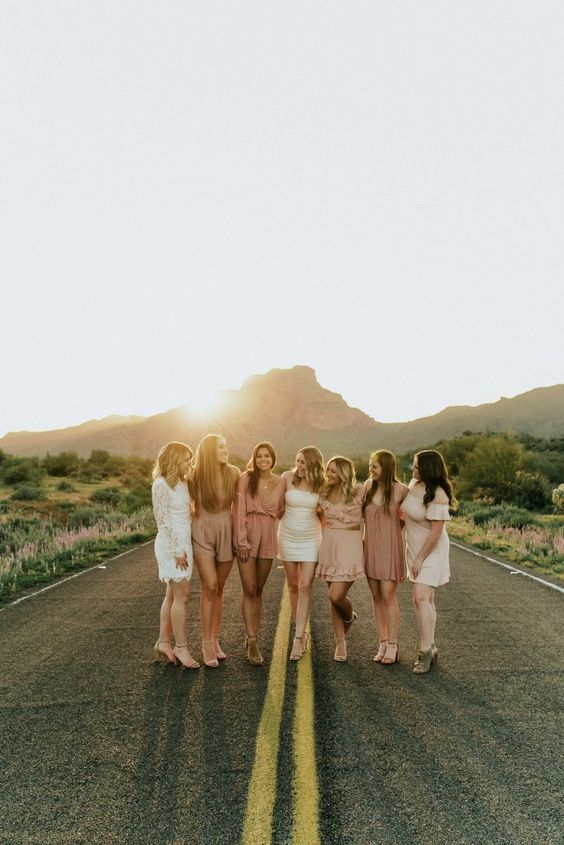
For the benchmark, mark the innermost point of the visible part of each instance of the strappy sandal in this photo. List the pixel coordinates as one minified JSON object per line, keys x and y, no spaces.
{"x":212,"y":662}
{"x":297,"y":655}
{"x":340,"y":647}
{"x":254,"y":656}
{"x":348,"y":622}
{"x":382,"y":645}
{"x":160,"y":656}
{"x":393,"y":656}
{"x":187,"y":661}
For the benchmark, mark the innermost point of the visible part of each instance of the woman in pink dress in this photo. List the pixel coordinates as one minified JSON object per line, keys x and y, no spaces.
{"x":383,"y":549}
{"x":340,"y":554}
{"x":258,"y":505}
{"x":213,"y":490}
{"x":426,"y":512}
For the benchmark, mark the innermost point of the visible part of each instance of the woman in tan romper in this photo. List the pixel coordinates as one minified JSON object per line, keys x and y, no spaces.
{"x":213,"y":490}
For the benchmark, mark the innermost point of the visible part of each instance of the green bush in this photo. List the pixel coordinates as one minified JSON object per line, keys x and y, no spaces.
{"x":558,"y":498}
{"x":505,"y":515}
{"x":62,"y":464}
{"x":85,"y":517}
{"x":106,"y":496}
{"x":532,"y":491}
{"x":65,"y":487}
{"x":28,"y":492}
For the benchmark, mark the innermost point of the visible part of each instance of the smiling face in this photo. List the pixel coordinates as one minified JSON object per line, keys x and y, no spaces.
{"x":375,"y":470}
{"x":333,"y":479}
{"x":263,"y":459}
{"x":184,"y":465}
{"x":222,"y":452}
{"x":301,"y":466}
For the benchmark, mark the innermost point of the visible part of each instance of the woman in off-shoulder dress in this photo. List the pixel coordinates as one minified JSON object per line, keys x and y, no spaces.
{"x":299,"y":537}
{"x":173,"y":550}
{"x":426,"y":512}
{"x":258,"y":505}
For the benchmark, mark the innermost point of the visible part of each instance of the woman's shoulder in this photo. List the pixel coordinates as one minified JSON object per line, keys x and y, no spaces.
{"x":360,"y":492}
{"x":401,"y":489}
{"x":440,"y":497}
{"x":235,"y":471}
{"x":159,"y":482}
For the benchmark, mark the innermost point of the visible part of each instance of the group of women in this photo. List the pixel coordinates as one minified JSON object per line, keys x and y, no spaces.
{"x":319,"y":521}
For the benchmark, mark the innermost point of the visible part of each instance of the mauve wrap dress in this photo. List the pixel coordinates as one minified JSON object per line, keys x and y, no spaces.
{"x":255,"y":519}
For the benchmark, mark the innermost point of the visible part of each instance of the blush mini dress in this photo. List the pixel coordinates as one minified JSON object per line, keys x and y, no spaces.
{"x":299,"y":530}
{"x":255,"y":519}
{"x":340,"y":554}
{"x":384,"y":558}
{"x":171,"y":506}
{"x":418,"y":518}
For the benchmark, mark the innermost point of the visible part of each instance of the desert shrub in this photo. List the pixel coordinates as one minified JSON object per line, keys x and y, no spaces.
{"x":506,"y":516}
{"x":65,"y":487}
{"x":138,"y":497}
{"x":62,"y":464}
{"x":106,"y":496}
{"x":85,"y":517}
{"x":15,"y":470}
{"x":558,"y":498}
{"x":490,"y":470}
{"x":28,"y":492}
{"x":532,"y":491}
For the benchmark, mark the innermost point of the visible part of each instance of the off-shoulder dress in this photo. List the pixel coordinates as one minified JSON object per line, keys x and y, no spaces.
{"x":418,"y":518}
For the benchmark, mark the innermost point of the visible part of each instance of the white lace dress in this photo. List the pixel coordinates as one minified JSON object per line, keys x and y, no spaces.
{"x":172,"y":514}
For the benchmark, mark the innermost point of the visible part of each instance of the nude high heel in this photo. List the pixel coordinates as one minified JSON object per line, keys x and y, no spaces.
{"x":391,"y":655}
{"x":160,"y":656}
{"x":382,"y":645}
{"x":425,"y":660}
{"x":299,"y":651}
{"x":348,"y":622}
{"x":212,"y":662}
{"x":186,"y":660}
{"x":254,"y":656}
{"x":340,"y":650}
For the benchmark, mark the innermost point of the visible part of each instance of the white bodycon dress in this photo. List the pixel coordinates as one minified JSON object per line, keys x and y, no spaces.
{"x":299,"y":531}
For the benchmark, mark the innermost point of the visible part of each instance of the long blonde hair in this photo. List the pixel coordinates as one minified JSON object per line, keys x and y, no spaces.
{"x":314,"y":468}
{"x":347,"y":475}
{"x":204,"y":486}
{"x":170,"y":456}
{"x":387,"y":461}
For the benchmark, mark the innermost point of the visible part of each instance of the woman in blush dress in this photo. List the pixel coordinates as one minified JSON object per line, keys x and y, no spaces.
{"x":173,"y":550}
{"x":213,"y":490}
{"x":258,"y":505}
{"x":341,"y":560}
{"x":299,"y":536}
{"x":426,"y":510}
{"x":383,"y":549}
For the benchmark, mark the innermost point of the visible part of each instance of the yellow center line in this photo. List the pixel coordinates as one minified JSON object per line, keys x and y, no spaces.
{"x":305,"y":785}
{"x":261,"y":797}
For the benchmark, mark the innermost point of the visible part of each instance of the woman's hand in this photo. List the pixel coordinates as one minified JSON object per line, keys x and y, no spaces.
{"x":242,"y":555}
{"x":416,"y":567}
{"x":182,"y":561}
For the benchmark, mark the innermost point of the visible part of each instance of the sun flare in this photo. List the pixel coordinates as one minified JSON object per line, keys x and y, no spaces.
{"x":202,"y":402}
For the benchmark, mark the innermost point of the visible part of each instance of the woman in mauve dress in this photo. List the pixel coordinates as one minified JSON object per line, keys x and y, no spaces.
{"x":383,"y":549}
{"x":426,"y":512}
{"x":299,"y":536}
{"x":258,"y":505}
{"x":213,"y":489}
{"x":341,"y":560}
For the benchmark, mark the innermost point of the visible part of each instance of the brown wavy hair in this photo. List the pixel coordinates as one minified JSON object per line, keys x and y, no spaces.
{"x":169,"y":457}
{"x":254,"y":471}
{"x":203,"y":486}
{"x":347,"y":474}
{"x":314,"y":468}
{"x":387,"y":461}
{"x":433,"y":473}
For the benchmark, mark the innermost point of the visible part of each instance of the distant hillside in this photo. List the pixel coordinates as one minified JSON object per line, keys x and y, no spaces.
{"x":291,"y":408}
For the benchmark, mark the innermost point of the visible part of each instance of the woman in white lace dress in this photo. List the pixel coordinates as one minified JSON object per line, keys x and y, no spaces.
{"x":173,"y":550}
{"x":426,"y":512}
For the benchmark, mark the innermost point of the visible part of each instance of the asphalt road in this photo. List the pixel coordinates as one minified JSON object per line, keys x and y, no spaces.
{"x":99,"y":746}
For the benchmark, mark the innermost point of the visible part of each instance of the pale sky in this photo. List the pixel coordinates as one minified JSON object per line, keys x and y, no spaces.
{"x":193,"y":192}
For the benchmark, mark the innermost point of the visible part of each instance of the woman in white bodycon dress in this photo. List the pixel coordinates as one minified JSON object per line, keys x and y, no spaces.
{"x":426,"y":510}
{"x":299,"y":537}
{"x":173,"y":550}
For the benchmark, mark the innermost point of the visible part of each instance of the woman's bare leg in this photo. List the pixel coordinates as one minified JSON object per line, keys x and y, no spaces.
{"x":425,"y":614}
{"x":292,"y":572}
{"x":208,"y":578}
{"x":341,"y":609}
{"x":223,"y":569}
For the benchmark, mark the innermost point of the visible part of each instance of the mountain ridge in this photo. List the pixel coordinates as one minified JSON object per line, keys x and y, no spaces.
{"x":291,"y":408}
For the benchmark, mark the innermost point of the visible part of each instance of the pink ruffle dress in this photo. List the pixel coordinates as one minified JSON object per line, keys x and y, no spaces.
{"x":340,"y":554}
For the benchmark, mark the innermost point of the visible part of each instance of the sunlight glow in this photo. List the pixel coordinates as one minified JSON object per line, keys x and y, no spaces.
{"x":202,"y":402}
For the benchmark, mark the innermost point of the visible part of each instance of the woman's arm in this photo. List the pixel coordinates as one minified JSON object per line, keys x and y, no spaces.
{"x":239,"y":518}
